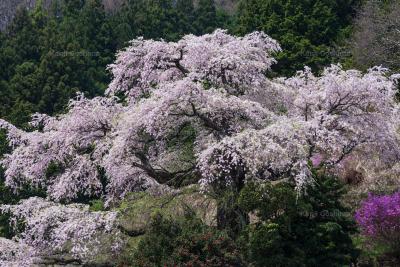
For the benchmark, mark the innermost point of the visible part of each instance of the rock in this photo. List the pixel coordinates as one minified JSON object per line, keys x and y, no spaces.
{"x":138,"y":208}
{"x":58,"y":260}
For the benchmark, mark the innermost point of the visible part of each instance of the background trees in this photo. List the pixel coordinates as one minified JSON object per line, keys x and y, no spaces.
{"x":54,"y":58}
{"x":307,"y":30}
{"x":376,"y":40}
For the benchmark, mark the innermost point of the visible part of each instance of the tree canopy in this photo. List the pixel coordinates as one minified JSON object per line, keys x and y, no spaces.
{"x":197,"y":111}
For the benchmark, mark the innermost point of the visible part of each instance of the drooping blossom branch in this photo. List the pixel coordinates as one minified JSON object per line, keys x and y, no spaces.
{"x":48,"y":228}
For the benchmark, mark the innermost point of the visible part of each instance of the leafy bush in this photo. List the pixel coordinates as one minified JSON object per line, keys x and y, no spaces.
{"x":184,"y":242}
{"x":298,"y":231}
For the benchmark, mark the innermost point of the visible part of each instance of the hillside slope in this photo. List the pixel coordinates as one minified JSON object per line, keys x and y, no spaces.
{"x":9,"y":7}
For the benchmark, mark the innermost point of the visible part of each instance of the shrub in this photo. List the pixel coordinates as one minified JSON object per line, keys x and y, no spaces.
{"x":185,"y":242}
{"x":314,"y":230}
{"x":379,"y":219}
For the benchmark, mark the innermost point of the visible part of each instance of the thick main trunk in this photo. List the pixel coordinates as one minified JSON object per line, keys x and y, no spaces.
{"x":230,"y":216}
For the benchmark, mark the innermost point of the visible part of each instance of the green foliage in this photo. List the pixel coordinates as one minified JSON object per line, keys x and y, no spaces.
{"x":230,"y":216}
{"x":166,"y":19}
{"x":184,"y":242}
{"x":306,"y":29}
{"x":47,"y":58}
{"x":372,"y":254}
{"x":97,"y":205}
{"x":313,"y":230}
{"x":206,"y":14}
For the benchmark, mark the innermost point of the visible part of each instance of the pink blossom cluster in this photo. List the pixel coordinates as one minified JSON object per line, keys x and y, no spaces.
{"x":50,"y":228}
{"x":16,"y":254}
{"x":236,"y":63}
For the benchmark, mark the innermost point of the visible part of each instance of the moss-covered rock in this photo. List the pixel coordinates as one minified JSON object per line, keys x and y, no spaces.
{"x":138,"y":208}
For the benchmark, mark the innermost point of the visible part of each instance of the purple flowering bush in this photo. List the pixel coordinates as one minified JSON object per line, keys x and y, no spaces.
{"x":379,"y":219}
